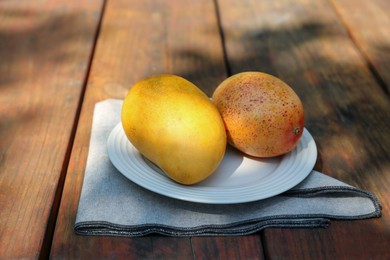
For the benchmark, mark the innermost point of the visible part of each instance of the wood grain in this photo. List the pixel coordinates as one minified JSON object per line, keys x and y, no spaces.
{"x":45,"y":49}
{"x":346,"y":111}
{"x":243,"y":247}
{"x":368,"y":23}
{"x":138,"y":39}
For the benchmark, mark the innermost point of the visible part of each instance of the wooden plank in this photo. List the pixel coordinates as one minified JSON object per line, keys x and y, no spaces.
{"x":137,"y":39}
{"x":346,"y":111}
{"x":45,"y":49}
{"x":368,"y":23}
{"x":243,"y":247}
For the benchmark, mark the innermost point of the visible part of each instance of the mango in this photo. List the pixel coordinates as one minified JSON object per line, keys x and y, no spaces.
{"x":263,"y":116}
{"x":174,"y":124}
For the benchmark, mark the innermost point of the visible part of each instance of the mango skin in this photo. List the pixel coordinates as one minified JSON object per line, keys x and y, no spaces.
{"x":263,"y":116}
{"x":175,"y":125}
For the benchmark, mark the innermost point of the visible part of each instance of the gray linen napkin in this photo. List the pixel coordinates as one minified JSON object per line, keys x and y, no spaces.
{"x":112,"y":205}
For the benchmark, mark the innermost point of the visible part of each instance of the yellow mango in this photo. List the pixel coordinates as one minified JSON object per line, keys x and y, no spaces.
{"x":174,"y":124}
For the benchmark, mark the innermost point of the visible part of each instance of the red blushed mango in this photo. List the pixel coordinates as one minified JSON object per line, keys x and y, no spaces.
{"x":263,"y":116}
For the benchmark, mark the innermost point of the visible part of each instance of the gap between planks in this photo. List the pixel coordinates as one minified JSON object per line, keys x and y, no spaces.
{"x":49,"y":234}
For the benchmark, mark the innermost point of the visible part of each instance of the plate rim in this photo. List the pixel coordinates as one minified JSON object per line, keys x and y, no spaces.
{"x":190,"y":193}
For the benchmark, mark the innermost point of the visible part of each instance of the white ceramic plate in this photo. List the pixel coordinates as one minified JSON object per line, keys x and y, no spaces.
{"x":238,"y":179}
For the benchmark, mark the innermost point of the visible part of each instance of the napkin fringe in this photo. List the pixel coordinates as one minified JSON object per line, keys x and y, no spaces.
{"x":103,"y":228}
{"x":333,"y":190}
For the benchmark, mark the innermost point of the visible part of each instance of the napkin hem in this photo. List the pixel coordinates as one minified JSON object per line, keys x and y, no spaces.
{"x":245,"y":227}
{"x":332,"y":190}
{"x":103,"y":228}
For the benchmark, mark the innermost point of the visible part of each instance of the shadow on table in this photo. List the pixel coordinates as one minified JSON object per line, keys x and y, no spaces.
{"x":35,"y":42}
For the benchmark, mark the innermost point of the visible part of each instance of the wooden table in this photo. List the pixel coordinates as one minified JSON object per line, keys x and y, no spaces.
{"x":59,"y":57}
